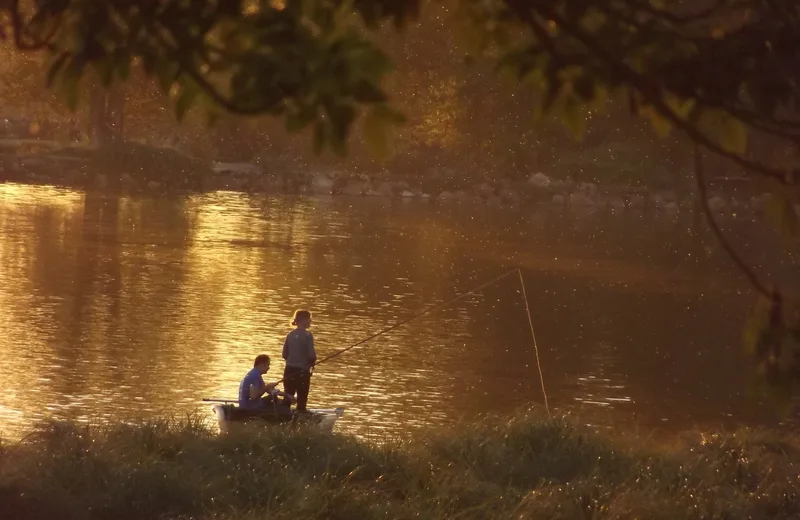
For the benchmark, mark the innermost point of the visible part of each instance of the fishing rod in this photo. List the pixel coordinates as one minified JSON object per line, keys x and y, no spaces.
{"x":412,"y":318}
{"x":429,"y":311}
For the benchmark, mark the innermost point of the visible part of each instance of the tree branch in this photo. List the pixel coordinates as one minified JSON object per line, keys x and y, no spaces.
{"x":192,"y":72}
{"x":702,"y":15}
{"x":18,"y":28}
{"x":784,"y":128}
{"x":650,"y":92}
{"x":712,"y":222}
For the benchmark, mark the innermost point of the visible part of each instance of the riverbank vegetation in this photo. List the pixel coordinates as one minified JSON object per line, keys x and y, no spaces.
{"x":527,"y":467}
{"x":463,"y":124}
{"x":115,"y":166}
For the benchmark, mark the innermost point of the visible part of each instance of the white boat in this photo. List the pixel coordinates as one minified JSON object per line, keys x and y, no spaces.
{"x":229,"y":414}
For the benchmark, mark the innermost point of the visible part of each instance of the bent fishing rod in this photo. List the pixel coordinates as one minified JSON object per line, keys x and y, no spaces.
{"x":434,"y":309}
{"x":412,"y":318}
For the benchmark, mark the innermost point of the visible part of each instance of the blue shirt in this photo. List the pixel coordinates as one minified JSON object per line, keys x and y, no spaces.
{"x":252,"y":378}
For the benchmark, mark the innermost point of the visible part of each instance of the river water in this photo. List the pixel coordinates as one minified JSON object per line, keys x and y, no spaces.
{"x":122,"y":307}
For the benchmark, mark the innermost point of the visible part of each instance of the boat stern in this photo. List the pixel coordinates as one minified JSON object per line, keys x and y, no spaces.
{"x":328,"y":418}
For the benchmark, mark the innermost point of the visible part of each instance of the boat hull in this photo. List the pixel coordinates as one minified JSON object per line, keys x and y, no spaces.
{"x":229,"y":415}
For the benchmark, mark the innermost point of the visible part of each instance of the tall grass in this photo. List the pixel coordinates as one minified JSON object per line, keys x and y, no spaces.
{"x":526,"y":467}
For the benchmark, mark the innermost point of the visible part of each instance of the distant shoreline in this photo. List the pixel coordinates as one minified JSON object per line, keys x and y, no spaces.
{"x":655,"y":203}
{"x":139,"y":168}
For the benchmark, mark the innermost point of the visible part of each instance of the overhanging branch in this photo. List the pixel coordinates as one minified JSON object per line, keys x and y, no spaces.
{"x":202,"y":82}
{"x":651,"y":93}
{"x":702,"y":192}
{"x":18,"y":28}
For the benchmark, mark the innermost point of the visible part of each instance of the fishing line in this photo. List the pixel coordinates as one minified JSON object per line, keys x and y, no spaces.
{"x":535,"y":345}
{"x":445,"y":304}
{"x":412,"y":318}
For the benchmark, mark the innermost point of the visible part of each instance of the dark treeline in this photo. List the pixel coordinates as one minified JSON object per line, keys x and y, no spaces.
{"x":464,"y":122}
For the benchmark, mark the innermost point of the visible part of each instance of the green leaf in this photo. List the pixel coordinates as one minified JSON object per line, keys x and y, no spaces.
{"x":167,"y":72}
{"x":375,"y":131}
{"x":341,"y":118}
{"x":573,"y":117}
{"x":209,"y":109}
{"x":757,"y":322}
{"x":728,"y":131}
{"x":212,"y":116}
{"x":735,"y":138}
{"x":55,"y":68}
{"x":300,"y":119}
{"x":781,"y":211}
{"x":189,"y":92}
{"x":365,"y":92}
{"x":516,"y":65}
{"x":681,"y":107}
{"x":70,"y":83}
{"x":553,"y":89}
{"x":585,"y":88}
{"x":124,"y":65}
{"x":105,"y":69}
{"x":148,"y":61}
{"x":388,"y":114}
{"x":660,"y":123}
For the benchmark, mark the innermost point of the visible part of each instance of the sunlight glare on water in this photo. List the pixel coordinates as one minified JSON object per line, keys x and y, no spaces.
{"x":118,"y":307}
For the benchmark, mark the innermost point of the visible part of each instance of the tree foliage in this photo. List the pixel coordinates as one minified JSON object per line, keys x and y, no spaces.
{"x":308,"y":62}
{"x":713,"y":70}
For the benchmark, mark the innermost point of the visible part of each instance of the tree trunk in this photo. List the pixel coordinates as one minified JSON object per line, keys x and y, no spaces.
{"x":106,"y":115}
{"x":97,"y":103}
{"x":115,"y":114}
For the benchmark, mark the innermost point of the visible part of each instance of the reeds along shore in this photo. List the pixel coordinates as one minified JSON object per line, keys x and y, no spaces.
{"x":526,"y":467}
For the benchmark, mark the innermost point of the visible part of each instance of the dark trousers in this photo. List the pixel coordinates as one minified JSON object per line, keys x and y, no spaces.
{"x":297,"y":382}
{"x":274,"y":405}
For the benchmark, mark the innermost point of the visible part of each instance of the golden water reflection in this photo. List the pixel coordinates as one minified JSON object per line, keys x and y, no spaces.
{"x":121,"y":307}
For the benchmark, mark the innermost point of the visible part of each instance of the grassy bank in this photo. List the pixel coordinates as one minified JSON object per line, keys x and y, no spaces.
{"x":526,"y":468}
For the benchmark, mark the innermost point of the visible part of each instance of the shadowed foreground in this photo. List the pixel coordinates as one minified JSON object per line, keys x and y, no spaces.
{"x":528,"y":467}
